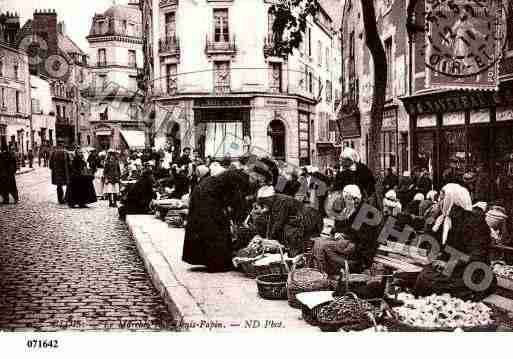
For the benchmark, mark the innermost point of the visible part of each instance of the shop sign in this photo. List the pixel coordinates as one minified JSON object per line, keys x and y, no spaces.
{"x":426,"y":121}
{"x":504,"y":114}
{"x":222,"y":102}
{"x":389,"y":121}
{"x":277,"y":103}
{"x":481,"y":116}
{"x":351,"y":126}
{"x":453,"y":118}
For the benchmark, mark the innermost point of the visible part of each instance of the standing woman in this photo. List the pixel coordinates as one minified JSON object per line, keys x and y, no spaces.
{"x":215,"y":201}
{"x":81,"y":190}
{"x":112,"y":176}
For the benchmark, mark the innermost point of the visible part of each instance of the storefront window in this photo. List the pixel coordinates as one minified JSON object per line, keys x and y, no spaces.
{"x":424,"y":156}
{"x":223,"y":138}
{"x":452,"y":154}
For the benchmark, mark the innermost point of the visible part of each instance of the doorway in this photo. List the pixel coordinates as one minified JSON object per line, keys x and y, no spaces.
{"x":276,"y":131}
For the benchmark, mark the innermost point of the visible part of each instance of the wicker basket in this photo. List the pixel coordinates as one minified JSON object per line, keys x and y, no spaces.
{"x":248,"y":268}
{"x":336,"y":325}
{"x":305,"y":280}
{"x":272,"y":268}
{"x":272,"y":286}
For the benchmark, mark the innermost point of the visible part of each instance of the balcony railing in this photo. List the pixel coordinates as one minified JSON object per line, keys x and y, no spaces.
{"x":163,"y":3}
{"x":110,"y":91}
{"x":104,"y":64}
{"x":220,"y":47}
{"x":169,"y":45}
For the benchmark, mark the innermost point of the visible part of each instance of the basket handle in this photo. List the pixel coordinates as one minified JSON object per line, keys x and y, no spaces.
{"x":344,"y":276}
{"x":283,"y":262}
{"x":293,"y":270}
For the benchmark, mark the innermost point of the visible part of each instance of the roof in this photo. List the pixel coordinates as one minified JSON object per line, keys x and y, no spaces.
{"x":124,"y":12}
{"x":334,"y":8}
{"x":67,"y":45}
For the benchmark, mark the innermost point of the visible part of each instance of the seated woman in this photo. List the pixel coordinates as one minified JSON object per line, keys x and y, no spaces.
{"x":358,"y":247}
{"x":462,"y":230}
{"x":391,"y":205}
{"x":290,"y":222}
{"x":138,"y":197}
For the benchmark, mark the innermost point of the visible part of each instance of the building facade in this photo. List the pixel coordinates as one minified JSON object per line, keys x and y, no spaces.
{"x":15,"y":126}
{"x":43,"y":114}
{"x":116,"y":59}
{"x":217,"y":88}
{"x":64,"y":64}
{"x":358,"y":76}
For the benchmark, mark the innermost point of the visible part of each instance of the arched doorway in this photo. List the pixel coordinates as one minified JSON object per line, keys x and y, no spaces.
{"x":276,"y":131}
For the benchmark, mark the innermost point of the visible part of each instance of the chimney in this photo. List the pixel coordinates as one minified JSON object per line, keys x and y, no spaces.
{"x":61,"y":26}
{"x":12,"y":27}
{"x":45,"y":25}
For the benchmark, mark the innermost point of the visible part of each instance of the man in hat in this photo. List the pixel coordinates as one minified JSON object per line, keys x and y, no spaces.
{"x":7,"y":174}
{"x":59,"y":165}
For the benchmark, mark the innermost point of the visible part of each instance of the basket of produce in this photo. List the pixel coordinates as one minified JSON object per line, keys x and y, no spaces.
{"x":274,"y":286}
{"x":440,"y":313}
{"x":504,"y":273}
{"x":305,"y":280}
{"x":347,"y":312}
{"x":312,"y":302}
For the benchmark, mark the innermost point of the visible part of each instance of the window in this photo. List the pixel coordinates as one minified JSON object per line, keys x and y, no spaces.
{"x":309,"y":42}
{"x":270,"y":22}
{"x":50,"y":136}
{"x":133,"y":111}
{"x":319,"y":53}
{"x":132,"y":83}
{"x":3,"y":97}
{"x":170,"y":25}
{"x":36,"y":108}
{"x":102,"y":57}
{"x":1,"y":68}
{"x":390,"y":63}
{"x":132,"y":62}
{"x":310,"y":82}
{"x":123,"y":27}
{"x":275,"y":80}
{"x":102,"y":81}
{"x":222,"y":76}
{"x":328,"y":59}
{"x":223,"y":138}
{"x":104,"y":113}
{"x":17,"y":102}
{"x":63,"y":112}
{"x":329,"y":91}
{"x":171,"y":72}
{"x":16,"y":74}
{"x":305,"y":78}
{"x":88,"y":140}
{"x":131,"y":30}
{"x":351,"y":45}
{"x":221,"y":33}
{"x":58,"y":111}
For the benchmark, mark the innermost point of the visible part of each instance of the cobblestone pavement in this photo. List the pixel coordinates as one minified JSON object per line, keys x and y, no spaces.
{"x":63,"y":268}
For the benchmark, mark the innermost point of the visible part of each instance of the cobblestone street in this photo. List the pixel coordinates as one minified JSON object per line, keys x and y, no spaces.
{"x":63,"y":268}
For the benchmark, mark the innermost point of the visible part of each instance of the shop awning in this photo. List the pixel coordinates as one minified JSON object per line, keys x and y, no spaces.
{"x":134,"y":139}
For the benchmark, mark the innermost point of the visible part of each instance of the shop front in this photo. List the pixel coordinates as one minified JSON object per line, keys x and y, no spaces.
{"x":220,"y":126}
{"x":461,"y":133}
{"x":388,"y":140}
{"x":349,"y":123}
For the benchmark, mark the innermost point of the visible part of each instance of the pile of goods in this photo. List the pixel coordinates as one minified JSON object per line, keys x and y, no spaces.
{"x":346,"y":312}
{"x":255,"y":259}
{"x":442,"y":312}
{"x":503,"y":270}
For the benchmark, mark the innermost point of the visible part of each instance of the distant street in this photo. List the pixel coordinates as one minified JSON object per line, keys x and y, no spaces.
{"x":64,"y":268}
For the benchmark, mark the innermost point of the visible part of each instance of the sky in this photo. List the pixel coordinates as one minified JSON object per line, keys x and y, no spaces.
{"x":76,"y":14}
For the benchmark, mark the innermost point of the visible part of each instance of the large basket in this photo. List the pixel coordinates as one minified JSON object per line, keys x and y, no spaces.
{"x":272,"y":268}
{"x":305,"y":280}
{"x":272,"y":286}
{"x":336,"y":325}
{"x":248,"y":268}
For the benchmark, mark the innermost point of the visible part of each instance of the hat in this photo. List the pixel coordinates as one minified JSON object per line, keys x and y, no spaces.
{"x":265,"y":192}
{"x":353,"y":191}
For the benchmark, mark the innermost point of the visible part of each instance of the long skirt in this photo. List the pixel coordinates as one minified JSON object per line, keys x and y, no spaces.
{"x":431,"y":281}
{"x":207,"y":234}
{"x":80,"y":191}
{"x":98,"y":182}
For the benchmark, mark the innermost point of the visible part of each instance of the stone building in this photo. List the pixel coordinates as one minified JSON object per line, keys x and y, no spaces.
{"x":217,"y":88}
{"x":116,"y":59}
{"x":15,"y":125}
{"x":42,"y":110}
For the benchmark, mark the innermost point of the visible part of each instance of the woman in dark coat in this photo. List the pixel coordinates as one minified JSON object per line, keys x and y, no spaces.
{"x":214,"y":202}
{"x":291,"y":223}
{"x":357,"y":247}
{"x":466,"y":232}
{"x":138,"y":197}
{"x":7,"y":174}
{"x":80,"y":190}
{"x":354,"y":172}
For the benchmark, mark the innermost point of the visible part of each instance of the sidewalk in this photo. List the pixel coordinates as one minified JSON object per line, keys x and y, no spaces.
{"x":201,"y":300}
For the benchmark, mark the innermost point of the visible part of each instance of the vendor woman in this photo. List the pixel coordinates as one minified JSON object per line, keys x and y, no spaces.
{"x":358,"y":247}
{"x":459,"y":230}
{"x":290,"y":222}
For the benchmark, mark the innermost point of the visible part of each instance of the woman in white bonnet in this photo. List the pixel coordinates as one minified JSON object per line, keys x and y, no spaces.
{"x":460,"y":229}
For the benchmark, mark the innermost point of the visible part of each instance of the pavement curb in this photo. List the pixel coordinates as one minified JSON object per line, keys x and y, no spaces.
{"x":176,"y":296}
